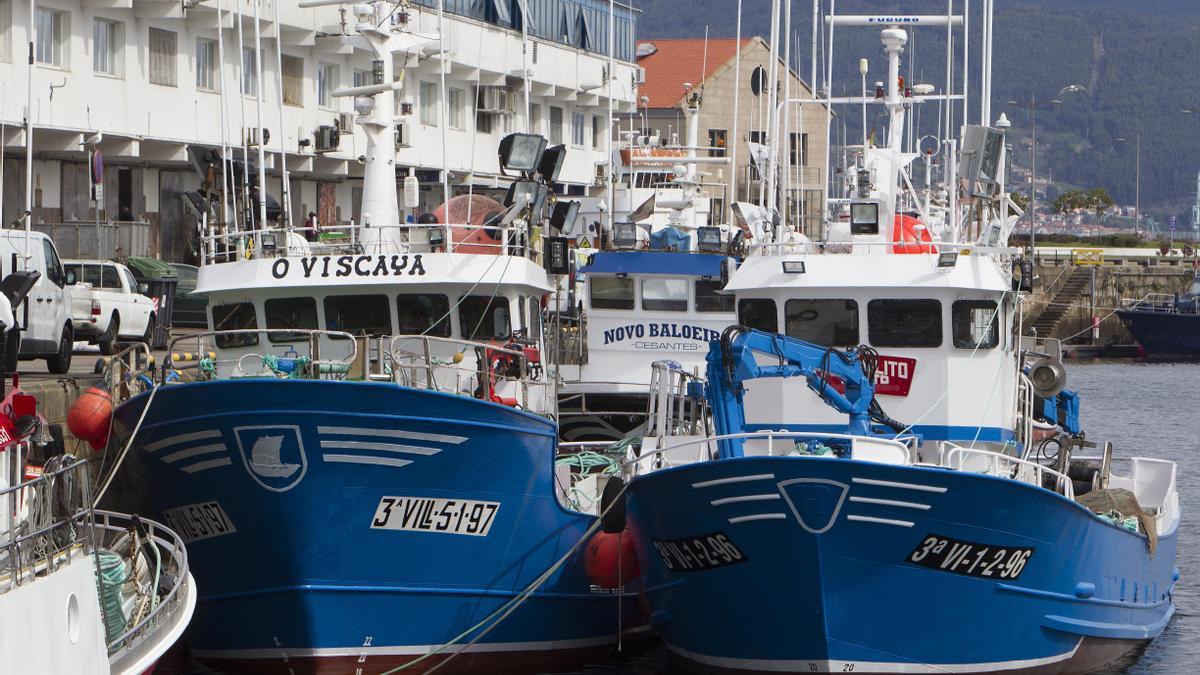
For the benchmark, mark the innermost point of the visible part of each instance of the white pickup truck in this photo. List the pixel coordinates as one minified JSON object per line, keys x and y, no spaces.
{"x":107,"y":304}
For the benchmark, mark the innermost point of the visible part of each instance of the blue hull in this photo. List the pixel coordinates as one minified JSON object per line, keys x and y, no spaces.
{"x":302,"y":562}
{"x":830,"y":565}
{"x":1164,"y":334}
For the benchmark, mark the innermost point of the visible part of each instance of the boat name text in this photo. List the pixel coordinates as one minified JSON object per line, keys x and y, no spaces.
{"x":350,"y":266}
{"x":677,"y":331}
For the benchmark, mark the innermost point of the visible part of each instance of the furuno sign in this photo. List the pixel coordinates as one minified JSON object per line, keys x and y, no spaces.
{"x":662,"y":336}
{"x":348,"y":266}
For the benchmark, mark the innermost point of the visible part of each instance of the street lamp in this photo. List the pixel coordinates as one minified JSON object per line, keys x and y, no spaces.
{"x":1137,"y":183}
{"x":1031,"y":105}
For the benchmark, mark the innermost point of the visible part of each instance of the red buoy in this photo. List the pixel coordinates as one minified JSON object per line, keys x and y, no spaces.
{"x":610,"y":559}
{"x":90,"y":417}
{"x":909,"y":235}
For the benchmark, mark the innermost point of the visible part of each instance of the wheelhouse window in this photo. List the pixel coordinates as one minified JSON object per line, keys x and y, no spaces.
{"x":484,"y":317}
{"x":290,"y":313}
{"x":975,"y":324}
{"x":758,"y":313}
{"x":611,"y":292}
{"x":357,"y":315}
{"x":710,"y":299}
{"x":665,"y":295}
{"x":905,"y":323}
{"x":237,"y":316}
{"x":423,"y":314}
{"x":833,"y":323}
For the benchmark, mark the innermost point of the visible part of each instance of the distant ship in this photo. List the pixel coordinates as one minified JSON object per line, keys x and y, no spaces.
{"x":1166,"y":325}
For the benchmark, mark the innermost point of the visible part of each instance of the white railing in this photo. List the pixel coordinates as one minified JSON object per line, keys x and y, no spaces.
{"x":174,"y":565}
{"x":42,"y":522}
{"x":1025,"y":399}
{"x":707,"y":444}
{"x":346,"y":239}
{"x":316,"y":367}
{"x":1153,"y":302}
{"x":976,"y":460}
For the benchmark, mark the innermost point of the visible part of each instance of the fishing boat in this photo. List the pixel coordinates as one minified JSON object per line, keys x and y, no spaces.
{"x":82,"y":590}
{"x":360,"y":451}
{"x":1165,"y":325}
{"x":649,"y":284}
{"x":881,"y":491}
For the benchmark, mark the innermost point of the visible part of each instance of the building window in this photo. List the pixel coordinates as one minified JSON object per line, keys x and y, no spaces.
{"x":429,"y":102}
{"x":556,"y":125}
{"x":758,"y":313}
{"x":833,"y":323}
{"x":904,"y":323}
{"x":293,"y":80}
{"x":759,"y":137}
{"x":5,"y":31}
{"x":975,"y":324}
{"x":249,"y":72}
{"x":206,"y":66}
{"x":597,"y":132}
{"x":716,"y":142}
{"x":583,"y":33}
{"x":105,"y":46}
{"x":363,"y":77}
{"x":578,"y":122}
{"x":327,"y":82}
{"x":454,"y":104}
{"x":798,"y":150}
{"x":710,"y":299}
{"x":611,"y":292}
{"x":163,"y":49}
{"x":50,"y":35}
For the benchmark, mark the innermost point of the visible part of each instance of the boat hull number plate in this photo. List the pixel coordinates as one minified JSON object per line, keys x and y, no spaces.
{"x":194,"y":522}
{"x":703,"y":552}
{"x":431,"y":514}
{"x":970,"y":559}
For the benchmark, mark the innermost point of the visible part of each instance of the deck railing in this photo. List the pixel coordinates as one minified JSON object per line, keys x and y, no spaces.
{"x":1156,"y":302}
{"x":978,"y":460}
{"x":42,"y":526}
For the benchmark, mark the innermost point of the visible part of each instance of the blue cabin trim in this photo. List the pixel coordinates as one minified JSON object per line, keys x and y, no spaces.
{"x":654,"y":262}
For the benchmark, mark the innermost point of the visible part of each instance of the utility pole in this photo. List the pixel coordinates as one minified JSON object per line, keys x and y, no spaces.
{"x":1137,"y":187}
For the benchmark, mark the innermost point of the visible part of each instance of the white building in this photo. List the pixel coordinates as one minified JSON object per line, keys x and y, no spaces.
{"x":146,"y":73}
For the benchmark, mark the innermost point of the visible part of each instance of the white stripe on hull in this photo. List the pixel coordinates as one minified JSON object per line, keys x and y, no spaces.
{"x":404,"y":650}
{"x":192,"y":452}
{"x":386,"y":447}
{"x":182,"y":438}
{"x":364,"y":459}
{"x":734,"y":479}
{"x":210,"y":464}
{"x":392,"y":433}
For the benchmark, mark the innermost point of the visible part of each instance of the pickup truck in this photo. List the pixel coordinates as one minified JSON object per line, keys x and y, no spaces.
{"x":107,"y":304}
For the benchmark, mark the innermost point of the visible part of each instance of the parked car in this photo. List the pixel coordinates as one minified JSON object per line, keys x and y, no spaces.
{"x":48,"y":333}
{"x":190,"y":310}
{"x":108,"y":304}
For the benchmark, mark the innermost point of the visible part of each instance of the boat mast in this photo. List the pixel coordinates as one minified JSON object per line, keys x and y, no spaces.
{"x":285,"y":186}
{"x":262,"y":142}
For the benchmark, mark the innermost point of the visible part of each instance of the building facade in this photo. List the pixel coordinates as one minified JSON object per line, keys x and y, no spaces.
{"x":149,"y":76}
{"x":674,"y":67}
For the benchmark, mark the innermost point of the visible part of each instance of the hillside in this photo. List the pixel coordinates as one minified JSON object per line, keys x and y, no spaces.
{"x":1136,"y":59}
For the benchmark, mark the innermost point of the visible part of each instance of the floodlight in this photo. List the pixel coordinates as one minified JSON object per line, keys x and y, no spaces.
{"x":948,"y":259}
{"x":565,"y":213}
{"x":793,"y":267}
{"x":624,"y":235}
{"x":708,"y":239}
{"x":552,"y":162}
{"x":521,"y":152}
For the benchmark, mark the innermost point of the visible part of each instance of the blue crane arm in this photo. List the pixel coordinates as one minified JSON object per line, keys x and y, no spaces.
{"x":732,"y":361}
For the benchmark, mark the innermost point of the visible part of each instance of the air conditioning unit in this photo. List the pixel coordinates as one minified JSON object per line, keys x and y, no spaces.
{"x":495,"y":100}
{"x":403,"y":135}
{"x":252,"y":139}
{"x":327,"y":138}
{"x":345,"y":123}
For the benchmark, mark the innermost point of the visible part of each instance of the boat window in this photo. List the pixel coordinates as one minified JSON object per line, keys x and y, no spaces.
{"x":665,"y":295}
{"x":535,"y":319}
{"x":423,"y":314}
{"x":358,"y":314}
{"x":610,"y":292}
{"x":833,"y":323}
{"x":484,"y":317}
{"x":758,"y":313}
{"x":975,"y":323}
{"x":290,"y":313}
{"x":237,"y":316}
{"x":709,"y":300}
{"x":905,"y":323}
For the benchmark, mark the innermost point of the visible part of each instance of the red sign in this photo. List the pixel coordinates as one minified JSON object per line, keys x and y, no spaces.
{"x":893,"y":376}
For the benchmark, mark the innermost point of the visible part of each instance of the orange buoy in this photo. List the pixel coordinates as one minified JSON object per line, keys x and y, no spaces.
{"x":610,"y":559}
{"x":90,"y":417}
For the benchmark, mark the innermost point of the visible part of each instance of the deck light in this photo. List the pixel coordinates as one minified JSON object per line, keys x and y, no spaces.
{"x":948,"y":259}
{"x":551,"y":163}
{"x":793,"y":267}
{"x":521,"y":152}
{"x":708,"y":239}
{"x":624,"y":235}
{"x":437,"y":237}
{"x":565,"y":213}
{"x":268,"y":243}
